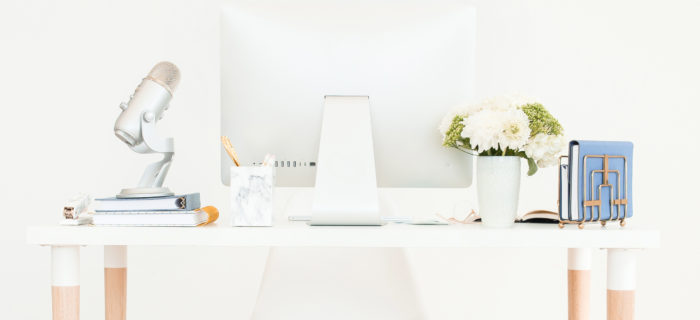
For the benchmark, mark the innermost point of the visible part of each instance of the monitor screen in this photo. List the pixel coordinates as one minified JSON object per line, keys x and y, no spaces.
{"x":414,"y":59}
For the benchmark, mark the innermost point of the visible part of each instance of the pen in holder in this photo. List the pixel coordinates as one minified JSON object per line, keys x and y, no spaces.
{"x":252,"y":191}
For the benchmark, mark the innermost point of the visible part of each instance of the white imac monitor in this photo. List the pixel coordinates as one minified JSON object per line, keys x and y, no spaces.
{"x":281,"y":62}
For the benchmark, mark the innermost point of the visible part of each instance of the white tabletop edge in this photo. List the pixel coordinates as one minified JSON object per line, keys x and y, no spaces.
{"x":300,"y":235}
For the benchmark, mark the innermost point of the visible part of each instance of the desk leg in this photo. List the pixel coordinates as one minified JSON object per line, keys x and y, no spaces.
{"x":579,"y":276}
{"x":621,"y":284}
{"x":115,"y":282}
{"x":65,"y":282}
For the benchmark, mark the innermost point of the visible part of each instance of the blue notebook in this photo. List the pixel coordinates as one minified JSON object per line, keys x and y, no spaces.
{"x":600,"y":180}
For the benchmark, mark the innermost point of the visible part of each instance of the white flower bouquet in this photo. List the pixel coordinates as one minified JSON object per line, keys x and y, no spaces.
{"x":506,"y":126}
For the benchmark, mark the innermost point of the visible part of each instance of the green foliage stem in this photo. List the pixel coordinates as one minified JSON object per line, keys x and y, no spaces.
{"x":453,"y":136}
{"x":541,"y":121}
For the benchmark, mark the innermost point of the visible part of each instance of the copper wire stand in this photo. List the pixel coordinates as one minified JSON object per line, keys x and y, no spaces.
{"x":618,"y":201}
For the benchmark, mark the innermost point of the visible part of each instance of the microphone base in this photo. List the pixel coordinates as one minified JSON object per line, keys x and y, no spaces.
{"x":144,"y":193}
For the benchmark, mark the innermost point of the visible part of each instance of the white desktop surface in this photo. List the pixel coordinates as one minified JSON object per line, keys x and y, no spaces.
{"x":65,"y":254}
{"x":298,"y":234}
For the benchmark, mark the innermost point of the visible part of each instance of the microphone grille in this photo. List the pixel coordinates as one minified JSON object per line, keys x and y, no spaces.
{"x":167,"y":74}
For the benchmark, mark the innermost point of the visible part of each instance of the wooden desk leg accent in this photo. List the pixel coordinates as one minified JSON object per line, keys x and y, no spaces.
{"x":65,"y":282}
{"x":579,"y":275}
{"x":115,"y":282}
{"x":621,"y":284}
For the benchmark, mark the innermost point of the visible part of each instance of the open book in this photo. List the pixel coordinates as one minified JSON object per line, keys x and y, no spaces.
{"x":536,"y":216}
{"x":539,"y":216}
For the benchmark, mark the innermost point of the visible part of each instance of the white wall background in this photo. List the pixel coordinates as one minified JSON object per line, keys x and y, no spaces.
{"x":66,"y":65}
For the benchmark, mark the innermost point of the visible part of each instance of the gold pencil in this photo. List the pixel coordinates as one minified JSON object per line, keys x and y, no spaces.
{"x":230,"y":150}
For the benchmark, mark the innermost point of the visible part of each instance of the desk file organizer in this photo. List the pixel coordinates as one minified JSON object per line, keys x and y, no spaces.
{"x":598,"y":185}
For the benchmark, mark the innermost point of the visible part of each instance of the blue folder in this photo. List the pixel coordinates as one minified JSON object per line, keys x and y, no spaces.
{"x":598,"y":199}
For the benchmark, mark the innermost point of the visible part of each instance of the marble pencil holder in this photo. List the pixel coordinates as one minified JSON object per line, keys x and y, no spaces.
{"x":252,"y":192}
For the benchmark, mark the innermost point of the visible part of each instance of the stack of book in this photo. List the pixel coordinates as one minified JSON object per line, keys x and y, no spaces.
{"x":178,"y":210}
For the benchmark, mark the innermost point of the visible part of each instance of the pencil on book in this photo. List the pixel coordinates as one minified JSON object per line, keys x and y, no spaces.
{"x":229,"y":149}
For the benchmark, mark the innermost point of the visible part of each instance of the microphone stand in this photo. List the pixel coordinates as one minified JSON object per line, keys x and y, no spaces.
{"x":151,"y":183}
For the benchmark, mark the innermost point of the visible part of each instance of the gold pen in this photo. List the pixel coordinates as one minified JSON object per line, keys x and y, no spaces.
{"x":229,"y":149}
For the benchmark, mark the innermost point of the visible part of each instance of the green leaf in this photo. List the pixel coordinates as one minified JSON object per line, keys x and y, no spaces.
{"x":532,"y":166}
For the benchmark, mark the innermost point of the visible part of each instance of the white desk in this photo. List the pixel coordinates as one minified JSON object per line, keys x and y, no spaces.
{"x":620,"y":242}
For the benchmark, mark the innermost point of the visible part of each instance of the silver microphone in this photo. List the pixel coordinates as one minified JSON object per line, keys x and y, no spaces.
{"x":149,"y":101}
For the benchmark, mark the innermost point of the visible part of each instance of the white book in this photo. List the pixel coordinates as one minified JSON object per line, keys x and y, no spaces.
{"x":564,"y":212}
{"x":573,"y":187}
{"x":150,"y":218}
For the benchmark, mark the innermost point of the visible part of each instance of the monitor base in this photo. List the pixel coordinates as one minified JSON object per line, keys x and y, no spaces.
{"x":346,"y":181}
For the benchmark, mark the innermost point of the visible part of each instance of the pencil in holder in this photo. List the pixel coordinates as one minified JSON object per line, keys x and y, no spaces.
{"x":252,"y":193}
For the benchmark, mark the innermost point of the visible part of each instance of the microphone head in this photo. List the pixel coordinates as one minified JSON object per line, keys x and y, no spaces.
{"x":166,"y":74}
{"x":149,"y":100}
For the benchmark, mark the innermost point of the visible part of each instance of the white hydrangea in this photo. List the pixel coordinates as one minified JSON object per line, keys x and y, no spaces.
{"x":491,"y":128}
{"x":502,"y":103}
{"x":482,"y":129}
{"x":545,"y":149}
{"x":516,"y":129}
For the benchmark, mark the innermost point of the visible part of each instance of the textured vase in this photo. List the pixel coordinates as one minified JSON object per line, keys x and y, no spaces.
{"x":498,"y":188}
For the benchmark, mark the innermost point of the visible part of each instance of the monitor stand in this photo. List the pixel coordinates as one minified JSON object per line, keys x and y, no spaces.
{"x":346,"y":181}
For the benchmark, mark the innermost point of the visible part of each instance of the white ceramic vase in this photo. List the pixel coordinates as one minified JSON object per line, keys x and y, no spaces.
{"x":498,"y":188}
